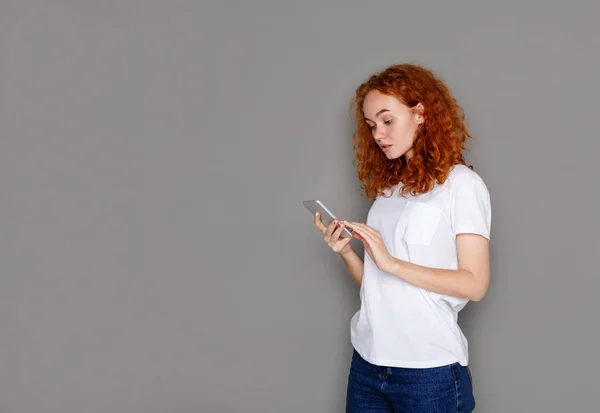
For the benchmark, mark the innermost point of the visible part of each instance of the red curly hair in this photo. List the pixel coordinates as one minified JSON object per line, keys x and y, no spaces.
{"x":438,"y":143}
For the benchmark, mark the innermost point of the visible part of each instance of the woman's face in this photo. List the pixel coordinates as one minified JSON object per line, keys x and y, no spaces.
{"x":392,"y":123}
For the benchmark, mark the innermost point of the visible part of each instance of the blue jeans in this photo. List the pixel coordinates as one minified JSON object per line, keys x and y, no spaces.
{"x":380,"y":389}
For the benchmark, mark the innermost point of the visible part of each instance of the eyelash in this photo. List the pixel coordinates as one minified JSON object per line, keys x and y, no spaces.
{"x":387,"y":122}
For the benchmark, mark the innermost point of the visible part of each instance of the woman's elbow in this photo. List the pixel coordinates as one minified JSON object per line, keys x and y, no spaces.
{"x":479,"y":292}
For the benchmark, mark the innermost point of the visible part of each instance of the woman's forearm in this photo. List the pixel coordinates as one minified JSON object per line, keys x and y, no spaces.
{"x":355,"y":265}
{"x":457,"y":283}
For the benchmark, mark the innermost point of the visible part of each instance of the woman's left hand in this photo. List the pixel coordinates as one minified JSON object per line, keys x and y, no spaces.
{"x":374,"y":245}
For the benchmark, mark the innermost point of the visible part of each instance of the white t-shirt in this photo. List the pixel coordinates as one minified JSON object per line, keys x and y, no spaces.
{"x":402,"y":325}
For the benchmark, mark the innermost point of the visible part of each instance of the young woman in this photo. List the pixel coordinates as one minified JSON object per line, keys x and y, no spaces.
{"x":426,"y":242}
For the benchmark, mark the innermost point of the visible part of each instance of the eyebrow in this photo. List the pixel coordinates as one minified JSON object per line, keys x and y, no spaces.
{"x":378,"y":113}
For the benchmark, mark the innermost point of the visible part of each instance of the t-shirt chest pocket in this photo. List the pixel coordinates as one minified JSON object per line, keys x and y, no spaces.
{"x":420,"y":222}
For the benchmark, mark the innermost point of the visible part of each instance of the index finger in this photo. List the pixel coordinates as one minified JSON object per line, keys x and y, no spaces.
{"x":319,"y":224}
{"x":361,"y":226}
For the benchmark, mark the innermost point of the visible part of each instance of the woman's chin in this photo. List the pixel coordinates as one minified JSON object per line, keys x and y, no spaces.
{"x":392,"y":154}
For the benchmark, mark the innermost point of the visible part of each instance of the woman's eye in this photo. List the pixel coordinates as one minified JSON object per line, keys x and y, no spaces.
{"x":387,"y":122}
{"x":371,"y":127}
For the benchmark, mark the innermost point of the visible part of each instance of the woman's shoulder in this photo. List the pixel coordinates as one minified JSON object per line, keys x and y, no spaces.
{"x":462,"y":174}
{"x":463,"y":182}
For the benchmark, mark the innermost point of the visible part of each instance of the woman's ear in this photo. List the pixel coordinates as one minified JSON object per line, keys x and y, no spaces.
{"x":419,"y":112}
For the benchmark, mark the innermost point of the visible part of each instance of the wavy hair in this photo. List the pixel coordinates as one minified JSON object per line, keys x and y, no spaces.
{"x":439,"y":141}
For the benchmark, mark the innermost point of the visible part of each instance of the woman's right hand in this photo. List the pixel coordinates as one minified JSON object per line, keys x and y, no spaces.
{"x":332,"y":235}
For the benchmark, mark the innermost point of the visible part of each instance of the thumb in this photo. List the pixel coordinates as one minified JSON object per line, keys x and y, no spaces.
{"x":359,"y":237}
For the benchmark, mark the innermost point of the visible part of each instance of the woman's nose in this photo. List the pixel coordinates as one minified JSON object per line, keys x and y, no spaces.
{"x":379,"y":134}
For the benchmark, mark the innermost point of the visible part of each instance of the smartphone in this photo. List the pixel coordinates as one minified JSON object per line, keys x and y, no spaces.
{"x":315,"y":206}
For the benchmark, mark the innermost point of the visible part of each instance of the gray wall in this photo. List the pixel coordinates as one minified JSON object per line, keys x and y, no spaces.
{"x":156,"y":256}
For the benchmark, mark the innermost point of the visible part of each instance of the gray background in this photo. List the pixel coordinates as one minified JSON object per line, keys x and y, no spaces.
{"x":156,"y":256}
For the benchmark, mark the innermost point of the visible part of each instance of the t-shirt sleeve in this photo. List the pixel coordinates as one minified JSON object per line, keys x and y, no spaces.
{"x":470,"y":207}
